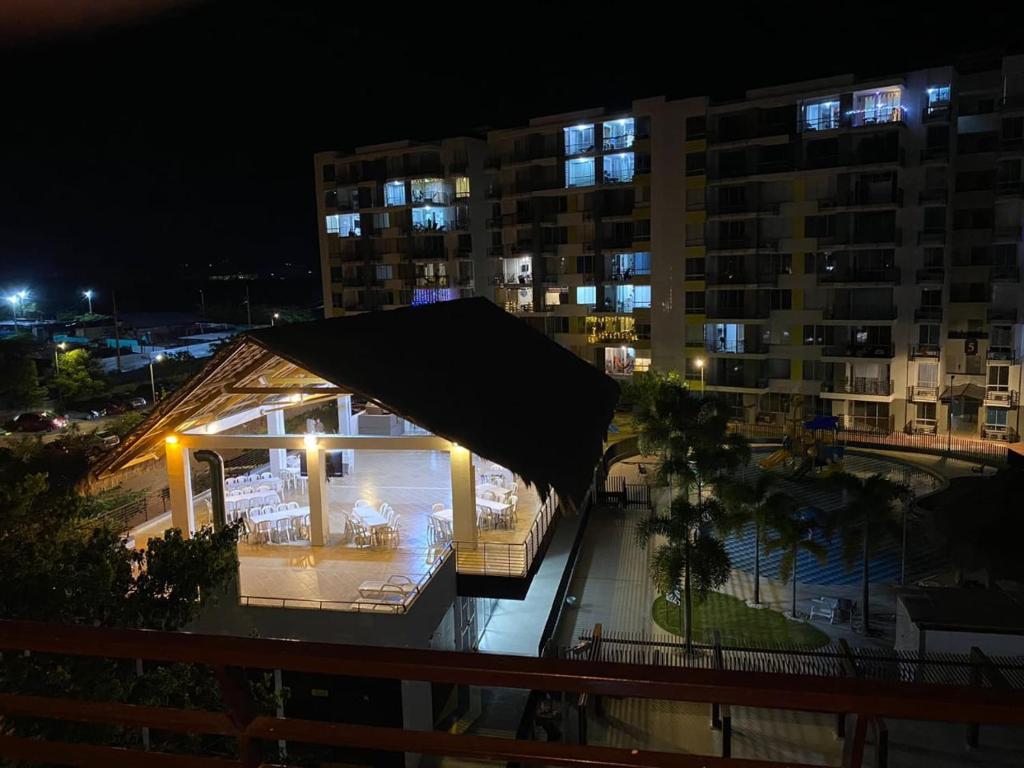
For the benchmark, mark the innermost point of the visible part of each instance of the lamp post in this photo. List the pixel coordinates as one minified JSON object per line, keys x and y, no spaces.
{"x":16,"y":299}
{"x":274,"y":317}
{"x":152,"y":379}
{"x":88,"y":297}
{"x":60,"y":347}
{"x":699,"y":362}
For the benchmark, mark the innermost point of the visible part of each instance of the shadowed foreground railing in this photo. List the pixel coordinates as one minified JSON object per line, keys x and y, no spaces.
{"x":225,"y":658}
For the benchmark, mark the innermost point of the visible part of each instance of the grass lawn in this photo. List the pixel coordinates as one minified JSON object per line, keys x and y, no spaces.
{"x":738,"y":623}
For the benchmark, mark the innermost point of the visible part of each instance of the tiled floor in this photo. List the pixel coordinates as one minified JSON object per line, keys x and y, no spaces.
{"x":411,"y":482}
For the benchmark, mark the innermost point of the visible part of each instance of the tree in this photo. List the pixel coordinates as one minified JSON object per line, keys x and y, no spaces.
{"x":59,"y":562}
{"x":19,"y":375}
{"x":753,"y":503}
{"x":689,"y":436}
{"x":79,"y":376}
{"x":691,"y":560}
{"x":791,"y":534}
{"x":871,"y":514}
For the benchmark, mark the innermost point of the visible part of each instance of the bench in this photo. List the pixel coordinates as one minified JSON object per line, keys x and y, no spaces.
{"x":835,"y":609}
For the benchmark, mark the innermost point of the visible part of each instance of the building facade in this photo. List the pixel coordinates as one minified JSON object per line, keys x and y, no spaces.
{"x":840,"y":246}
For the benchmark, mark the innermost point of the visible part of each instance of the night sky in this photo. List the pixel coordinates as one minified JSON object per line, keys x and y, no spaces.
{"x":186,"y":136}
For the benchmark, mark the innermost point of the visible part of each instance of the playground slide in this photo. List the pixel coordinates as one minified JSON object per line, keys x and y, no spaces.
{"x":774,"y":459}
{"x":805,"y":466}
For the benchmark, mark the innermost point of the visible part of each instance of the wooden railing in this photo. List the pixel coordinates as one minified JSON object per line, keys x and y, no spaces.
{"x":257,"y":736}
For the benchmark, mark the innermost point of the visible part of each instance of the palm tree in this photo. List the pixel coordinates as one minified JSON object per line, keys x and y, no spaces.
{"x":792,"y":534}
{"x":753,"y":503}
{"x":870,"y":515}
{"x":691,"y":559}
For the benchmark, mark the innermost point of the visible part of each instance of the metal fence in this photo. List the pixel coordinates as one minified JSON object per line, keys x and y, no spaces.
{"x":835,"y":660}
{"x":126,"y":516}
{"x":965,"y":448}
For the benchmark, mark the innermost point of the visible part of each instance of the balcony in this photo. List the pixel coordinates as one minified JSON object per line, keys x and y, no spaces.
{"x":854,"y":198}
{"x":931,"y":237}
{"x":934,"y":154}
{"x":1000,"y":353}
{"x":858,"y":350}
{"x":866,"y":312}
{"x":1001,"y":316}
{"x":933,"y":195}
{"x":736,"y":380}
{"x":930,"y":275}
{"x":719,"y":276}
{"x":1010,"y":234}
{"x":859,"y":385}
{"x":923,"y":393}
{"x":737,"y":347}
{"x":926,"y":351}
{"x":1000,"y":398}
{"x":752,"y":311}
{"x":935,"y":113}
{"x":1004,"y":273}
{"x":845,"y":274}
{"x":1010,"y":189}
{"x":999,"y":432}
{"x":928,"y":314}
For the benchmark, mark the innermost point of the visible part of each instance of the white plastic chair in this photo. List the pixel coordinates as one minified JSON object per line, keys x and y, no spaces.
{"x":437,"y":508}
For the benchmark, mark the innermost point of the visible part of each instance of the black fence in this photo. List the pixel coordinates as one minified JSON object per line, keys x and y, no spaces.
{"x":126,"y":516}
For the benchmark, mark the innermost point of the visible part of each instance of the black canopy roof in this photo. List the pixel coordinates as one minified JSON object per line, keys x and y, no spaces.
{"x":470,"y":372}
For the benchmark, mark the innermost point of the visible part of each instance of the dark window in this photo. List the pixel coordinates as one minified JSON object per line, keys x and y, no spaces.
{"x":328,"y":172}
{"x":695,"y":164}
{"x":695,"y":269}
{"x":970,"y":292}
{"x":336,"y":274}
{"x":938,"y":136}
{"x":696,"y":127}
{"x":818,"y":226}
{"x":780,"y":299}
{"x":695,"y":302}
{"x":935,"y":219}
{"x":337,"y":300}
{"x":934,"y":257}
{"x":585,"y":264}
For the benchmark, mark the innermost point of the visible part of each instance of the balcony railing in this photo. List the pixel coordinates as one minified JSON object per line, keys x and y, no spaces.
{"x":858,"y":350}
{"x":923,"y":393}
{"x":1001,"y":398}
{"x":996,"y":352}
{"x":844,"y":274}
{"x":741,"y":277}
{"x":859,"y":385}
{"x":1001,"y":315}
{"x":739,"y":347}
{"x":738,"y":382}
{"x":933,"y":195}
{"x":1003,"y":273}
{"x":1010,"y":188}
{"x":930,"y":351}
{"x":865,"y":312}
{"x":924,"y":314}
{"x":934,"y":153}
{"x":931,"y":237}
{"x":742,"y":312}
{"x":930,"y":275}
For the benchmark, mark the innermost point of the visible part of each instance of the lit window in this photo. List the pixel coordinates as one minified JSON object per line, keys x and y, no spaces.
{"x":618,"y":168}
{"x":642,"y":365}
{"x":938,"y":98}
{"x":462,"y":186}
{"x":619,"y":361}
{"x":394,"y":193}
{"x":429,"y":191}
{"x":821,"y":115}
{"x":343,"y":224}
{"x":578,"y":139}
{"x":587,"y":295}
{"x":642,"y":297}
{"x":579,"y":172}
{"x":883,"y":105}
{"x":429,"y":218}
{"x":618,"y":134}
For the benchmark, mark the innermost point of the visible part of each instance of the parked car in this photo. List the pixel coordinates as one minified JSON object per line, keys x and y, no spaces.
{"x":107,"y":438}
{"x":97,"y":406}
{"x":84,"y":414}
{"x":137,"y":402}
{"x":37,"y":421}
{"x":115,"y":407}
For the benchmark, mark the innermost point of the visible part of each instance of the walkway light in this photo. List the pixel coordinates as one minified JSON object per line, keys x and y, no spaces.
{"x":171,"y":439}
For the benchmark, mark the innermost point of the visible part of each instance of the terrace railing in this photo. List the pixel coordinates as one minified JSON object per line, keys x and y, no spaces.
{"x":393,"y":604}
{"x":249,"y":738}
{"x":511,"y":559}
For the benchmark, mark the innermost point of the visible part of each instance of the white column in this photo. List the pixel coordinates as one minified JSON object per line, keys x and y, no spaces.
{"x":179,"y":481}
{"x":278,"y":456}
{"x":345,"y":428}
{"x":463,"y":495}
{"x":318,"y":519}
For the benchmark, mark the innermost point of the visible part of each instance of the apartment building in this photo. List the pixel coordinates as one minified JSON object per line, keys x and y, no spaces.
{"x":862,"y":250}
{"x":400,"y":224}
{"x":840,"y":246}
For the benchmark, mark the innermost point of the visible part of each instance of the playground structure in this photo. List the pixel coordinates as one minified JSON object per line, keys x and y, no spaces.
{"x":807,"y":445}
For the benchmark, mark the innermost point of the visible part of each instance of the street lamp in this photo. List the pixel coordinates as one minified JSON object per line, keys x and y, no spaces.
{"x":152,"y":379}
{"x":56,"y":355}
{"x":16,"y":299}
{"x":88,"y":296}
{"x":274,"y":317}
{"x":699,"y":362}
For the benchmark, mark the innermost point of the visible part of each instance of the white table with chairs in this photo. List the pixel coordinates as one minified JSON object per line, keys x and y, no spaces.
{"x":373,"y":527}
{"x":275,"y":525}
